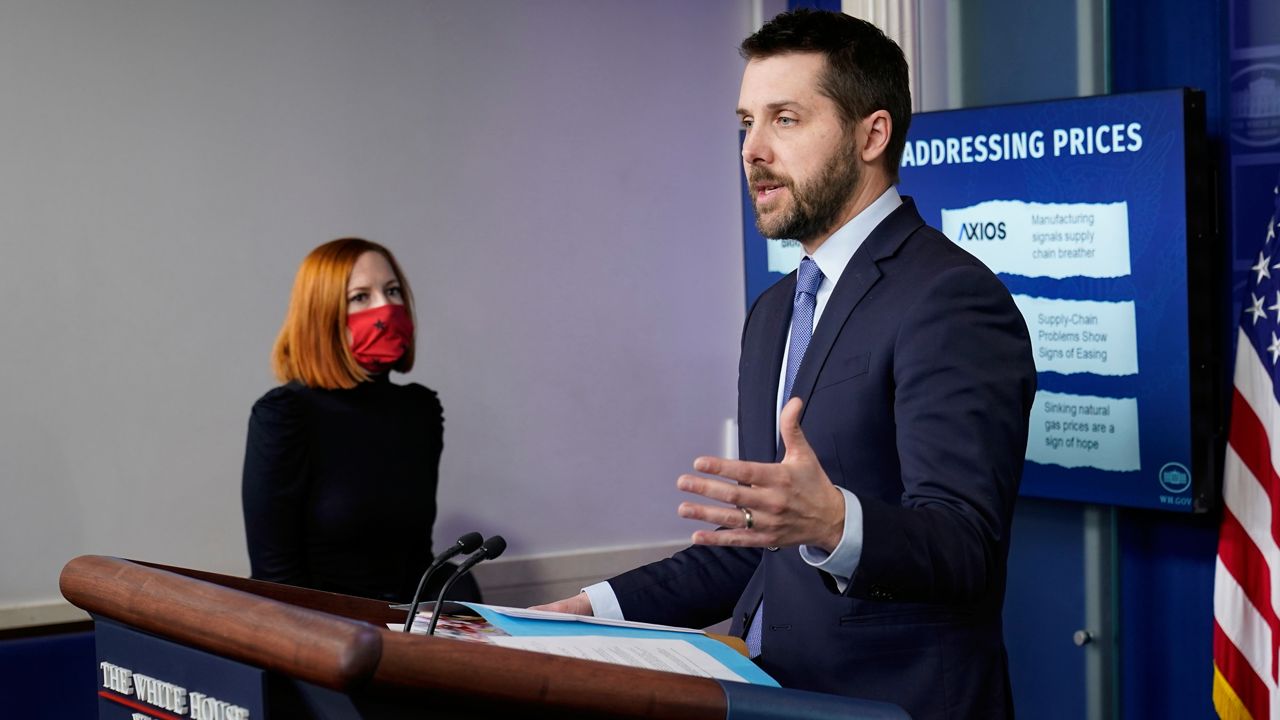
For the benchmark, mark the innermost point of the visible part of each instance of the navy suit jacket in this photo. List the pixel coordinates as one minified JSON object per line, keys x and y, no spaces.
{"x":917,"y":386}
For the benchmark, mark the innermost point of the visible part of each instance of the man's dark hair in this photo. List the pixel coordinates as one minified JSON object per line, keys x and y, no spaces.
{"x":866,"y":71}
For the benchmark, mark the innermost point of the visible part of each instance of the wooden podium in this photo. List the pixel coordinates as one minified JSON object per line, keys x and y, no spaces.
{"x":174,"y":643}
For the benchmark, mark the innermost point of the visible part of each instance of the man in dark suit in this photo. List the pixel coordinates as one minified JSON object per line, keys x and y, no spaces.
{"x":883,"y":396}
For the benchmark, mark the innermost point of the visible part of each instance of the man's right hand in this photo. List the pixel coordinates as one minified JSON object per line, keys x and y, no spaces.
{"x":579,"y":604}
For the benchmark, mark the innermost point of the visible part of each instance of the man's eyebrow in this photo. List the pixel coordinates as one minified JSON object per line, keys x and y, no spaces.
{"x":775,"y":106}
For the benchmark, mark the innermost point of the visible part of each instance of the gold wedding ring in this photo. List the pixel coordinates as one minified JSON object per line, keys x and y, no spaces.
{"x":747,"y":522}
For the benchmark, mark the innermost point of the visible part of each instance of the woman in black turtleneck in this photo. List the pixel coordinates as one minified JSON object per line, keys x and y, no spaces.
{"x":341,"y":464}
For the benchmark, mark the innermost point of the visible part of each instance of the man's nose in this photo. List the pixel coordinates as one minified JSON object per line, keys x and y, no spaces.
{"x":756,"y":149}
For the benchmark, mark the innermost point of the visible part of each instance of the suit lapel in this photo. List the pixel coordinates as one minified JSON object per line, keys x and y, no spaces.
{"x":859,"y":275}
{"x":761,"y":370}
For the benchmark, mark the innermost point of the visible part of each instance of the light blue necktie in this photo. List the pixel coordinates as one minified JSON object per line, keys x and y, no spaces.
{"x":806,"y":301}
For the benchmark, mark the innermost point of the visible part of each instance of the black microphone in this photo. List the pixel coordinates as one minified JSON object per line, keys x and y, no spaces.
{"x":467,"y":543}
{"x":492,"y":548}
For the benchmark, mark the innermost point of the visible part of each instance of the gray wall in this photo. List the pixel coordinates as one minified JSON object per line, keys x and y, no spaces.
{"x":558,"y":178}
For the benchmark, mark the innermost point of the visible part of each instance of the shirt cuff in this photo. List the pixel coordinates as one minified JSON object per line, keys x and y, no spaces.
{"x":604,"y":603}
{"x":842,"y":562}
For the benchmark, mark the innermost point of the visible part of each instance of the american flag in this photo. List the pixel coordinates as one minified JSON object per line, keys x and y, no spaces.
{"x":1246,"y":588}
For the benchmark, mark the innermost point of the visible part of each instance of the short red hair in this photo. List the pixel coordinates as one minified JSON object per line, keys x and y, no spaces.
{"x":312,"y":346}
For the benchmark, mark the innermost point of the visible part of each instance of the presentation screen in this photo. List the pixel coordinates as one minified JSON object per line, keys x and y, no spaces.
{"x":1091,"y":211}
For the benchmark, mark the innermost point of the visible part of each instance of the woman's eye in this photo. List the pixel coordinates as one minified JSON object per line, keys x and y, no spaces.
{"x":786,"y":121}
{"x":393,"y":292}
{"x":358,"y":298}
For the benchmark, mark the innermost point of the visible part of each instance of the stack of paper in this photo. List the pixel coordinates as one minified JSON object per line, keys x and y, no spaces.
{"x":655,"y":647}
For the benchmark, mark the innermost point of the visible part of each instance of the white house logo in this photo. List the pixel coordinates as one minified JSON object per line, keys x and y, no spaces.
{"x":1255,"y":105}
{"x":160,"y":700}
{"x":1175,"y":477}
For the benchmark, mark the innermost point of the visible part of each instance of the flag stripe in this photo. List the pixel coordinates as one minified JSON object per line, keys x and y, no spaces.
{"x":1247,"y":686}
{"x":1240,"y":557}
{"x":1250,"y":442}
{"x":1249,"y":476}
{"x":1260,"y":413}
{"x":1242,"y":625}
{"x":1249,"y":506}
{"x":1243,"y":560}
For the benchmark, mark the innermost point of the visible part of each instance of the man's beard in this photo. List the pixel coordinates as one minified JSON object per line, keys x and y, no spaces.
{"x":815,"y":206}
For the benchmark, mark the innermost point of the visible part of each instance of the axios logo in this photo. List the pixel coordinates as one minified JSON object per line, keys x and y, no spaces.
{"x":983,"y":231}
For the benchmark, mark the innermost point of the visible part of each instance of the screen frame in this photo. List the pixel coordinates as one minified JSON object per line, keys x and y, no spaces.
{"x":1208,"y":385}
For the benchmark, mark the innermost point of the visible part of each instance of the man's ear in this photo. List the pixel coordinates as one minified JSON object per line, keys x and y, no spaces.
{"x":876,"y":129}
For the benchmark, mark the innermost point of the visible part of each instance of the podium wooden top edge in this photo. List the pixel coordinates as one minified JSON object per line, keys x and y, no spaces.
{"x":342,"y":643}
{"x":315,"y":646}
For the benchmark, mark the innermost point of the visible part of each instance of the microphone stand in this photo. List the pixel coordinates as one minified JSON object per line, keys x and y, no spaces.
{"x":465,"y":544}
{"x":492,"y":548}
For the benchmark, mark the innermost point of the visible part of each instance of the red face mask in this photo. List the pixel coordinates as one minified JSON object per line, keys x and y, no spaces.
{"x":380,"y":336}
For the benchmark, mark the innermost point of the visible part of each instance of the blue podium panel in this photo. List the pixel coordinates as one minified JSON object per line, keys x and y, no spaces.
{"x":757,"y":702}
{"x":48,"y":677}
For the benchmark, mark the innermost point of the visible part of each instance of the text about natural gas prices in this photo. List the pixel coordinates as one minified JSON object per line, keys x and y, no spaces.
{"x":1084,"y":431}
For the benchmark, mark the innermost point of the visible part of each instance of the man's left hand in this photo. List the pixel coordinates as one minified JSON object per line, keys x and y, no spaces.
{"x":788,"y":503}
